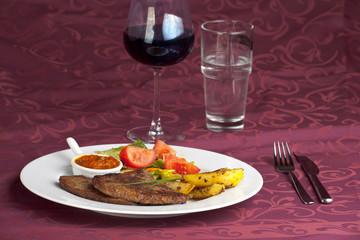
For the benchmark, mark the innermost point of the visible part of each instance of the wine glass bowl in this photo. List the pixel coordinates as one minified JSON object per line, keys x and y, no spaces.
{"x":158,"y":33}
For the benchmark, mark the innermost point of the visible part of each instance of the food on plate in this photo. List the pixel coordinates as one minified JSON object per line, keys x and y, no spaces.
{"x":115,"y":152}
{"x":82,"y":187}
{"x":203,"y":185}
{"x":89,"y":165}
{"x":138,"y":187}
{"x":115,"y":188}
{"x":119,"y":186}
{"x":95,"y":161}
{"x":173,"y":162}
{"x":180,"y":165}
{"x":229,"y":177}
{"x":159,"y":173}
{"x":154,"y":176}
{"x":168,"y":165}
{"x":206,"y":192}
{"x":163,"y":150}
{"x":137,"y":157}
{"x":181,"y":187}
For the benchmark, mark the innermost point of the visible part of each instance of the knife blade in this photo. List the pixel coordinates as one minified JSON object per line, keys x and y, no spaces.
{"x":311,"y":171}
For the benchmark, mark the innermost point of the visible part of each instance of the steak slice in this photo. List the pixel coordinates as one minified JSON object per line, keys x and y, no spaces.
{"x":82,"y":187}
{"x":114,"y":185}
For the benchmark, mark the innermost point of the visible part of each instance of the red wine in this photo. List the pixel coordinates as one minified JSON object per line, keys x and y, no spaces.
{"x":156,"y":50}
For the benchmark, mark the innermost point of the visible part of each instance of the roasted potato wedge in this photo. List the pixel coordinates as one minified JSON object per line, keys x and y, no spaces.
{"x":181,"y":187}
{"x":229,"y":177}
{"x":206,"y":192}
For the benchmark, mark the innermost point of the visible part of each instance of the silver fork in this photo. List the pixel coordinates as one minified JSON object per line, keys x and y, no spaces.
{"x":285,"y":164}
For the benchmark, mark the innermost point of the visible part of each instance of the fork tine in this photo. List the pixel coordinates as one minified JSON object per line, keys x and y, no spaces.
{"x":284,"y":152}
{"x":289,"y":154}
{"x":275,"y":155}
{"x":281,"y":160}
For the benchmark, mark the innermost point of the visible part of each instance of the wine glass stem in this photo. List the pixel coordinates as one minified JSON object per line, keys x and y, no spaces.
{"x":156,"y":128}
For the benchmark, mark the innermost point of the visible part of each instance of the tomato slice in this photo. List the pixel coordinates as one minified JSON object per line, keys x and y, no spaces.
{"x":180,"y":165}
{"x":169,"y":161}
{"x":163,"y":150}
{"x":185,"y":168}
{"x":137,"y":157}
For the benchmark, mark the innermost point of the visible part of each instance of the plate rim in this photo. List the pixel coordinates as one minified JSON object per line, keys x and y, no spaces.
{"x":128,"y":211}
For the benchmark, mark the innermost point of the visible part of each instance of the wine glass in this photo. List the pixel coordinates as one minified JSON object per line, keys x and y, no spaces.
{"x":158,"y":33}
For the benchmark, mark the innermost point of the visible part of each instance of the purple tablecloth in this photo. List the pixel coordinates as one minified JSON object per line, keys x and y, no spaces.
{"x":64,"y":72}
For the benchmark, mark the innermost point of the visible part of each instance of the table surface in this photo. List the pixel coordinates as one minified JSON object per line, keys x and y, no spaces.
{"x":64,"y":72}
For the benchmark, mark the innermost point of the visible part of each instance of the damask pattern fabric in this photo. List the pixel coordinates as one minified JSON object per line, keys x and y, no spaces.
{"x":65,"y":72}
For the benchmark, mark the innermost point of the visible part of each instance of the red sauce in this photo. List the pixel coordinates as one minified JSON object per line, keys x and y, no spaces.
{"x":97,"y":162}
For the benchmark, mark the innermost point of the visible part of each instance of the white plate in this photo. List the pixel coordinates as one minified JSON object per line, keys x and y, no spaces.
{"x":41,"y":177}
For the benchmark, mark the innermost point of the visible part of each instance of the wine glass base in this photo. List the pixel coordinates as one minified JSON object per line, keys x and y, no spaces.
{"x":142,"y":133}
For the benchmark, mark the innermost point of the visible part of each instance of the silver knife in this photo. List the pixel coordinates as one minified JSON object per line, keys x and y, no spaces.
{"x":311,"y":171}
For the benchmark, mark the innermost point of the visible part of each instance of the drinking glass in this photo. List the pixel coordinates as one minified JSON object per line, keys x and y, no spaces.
{"x":226,"y":63}
{"x":158,"y":33}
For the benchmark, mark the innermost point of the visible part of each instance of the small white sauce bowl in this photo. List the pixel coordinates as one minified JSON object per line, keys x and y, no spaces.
{"x":89,"y":172}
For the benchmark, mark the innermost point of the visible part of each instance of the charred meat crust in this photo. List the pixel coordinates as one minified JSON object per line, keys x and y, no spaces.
{"x":82,"y":187}
{"x":114,"y":186}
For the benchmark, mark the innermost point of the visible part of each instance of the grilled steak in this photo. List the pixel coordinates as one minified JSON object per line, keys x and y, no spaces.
{"x":114,"y":185}
{"x":82,"y":187}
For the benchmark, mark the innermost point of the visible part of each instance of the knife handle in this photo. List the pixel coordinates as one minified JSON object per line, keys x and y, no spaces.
{"x":320,"y":190}
{"x":304,"y":196}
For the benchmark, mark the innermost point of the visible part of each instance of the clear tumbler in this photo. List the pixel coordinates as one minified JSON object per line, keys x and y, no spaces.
{"x":226,"y":63}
